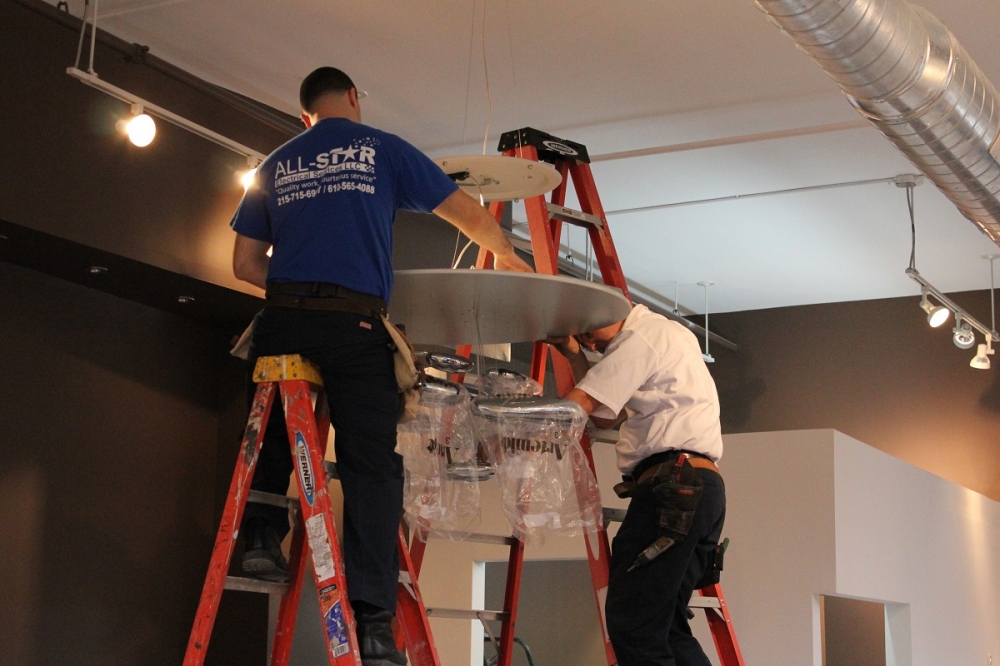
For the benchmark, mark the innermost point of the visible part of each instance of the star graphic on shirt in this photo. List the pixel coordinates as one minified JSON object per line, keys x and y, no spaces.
{"x":348,"y":153}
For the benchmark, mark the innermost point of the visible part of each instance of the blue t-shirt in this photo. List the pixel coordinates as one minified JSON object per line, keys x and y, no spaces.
{"x":326,"y":201}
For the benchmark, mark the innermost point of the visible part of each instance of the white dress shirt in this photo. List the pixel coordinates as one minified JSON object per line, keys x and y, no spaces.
{"x":654,"y":367}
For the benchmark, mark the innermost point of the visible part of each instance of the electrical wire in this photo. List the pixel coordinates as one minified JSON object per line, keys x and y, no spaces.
{"x":486,"y":74}
{"x":83,"y":29}
{"x":913,"y":227}
{"x":468,"y":70}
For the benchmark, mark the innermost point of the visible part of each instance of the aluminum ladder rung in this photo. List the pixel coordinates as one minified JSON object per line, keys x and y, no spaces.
{"x":241,"y":584}
{"x":271,"y":499}
{"x":613,"y":515}
{"x":698,"y":601}
{"x":466,"y":614}
{"x":494,"y":539}
{"x":577,"y":217}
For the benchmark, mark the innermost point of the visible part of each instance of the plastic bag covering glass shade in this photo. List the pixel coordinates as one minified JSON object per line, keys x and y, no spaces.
{"x":546,"y":484}
{"x":440,"y":434}
{"x":503,"y":383}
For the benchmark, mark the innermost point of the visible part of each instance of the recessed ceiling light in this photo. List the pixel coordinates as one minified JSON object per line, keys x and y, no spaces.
{"x":185,"y":299}
{"x":97,"y":270}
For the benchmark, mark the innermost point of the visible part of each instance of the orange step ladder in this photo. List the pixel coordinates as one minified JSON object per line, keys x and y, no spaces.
{"x":314,"y":533}
{"x":545,"y":220}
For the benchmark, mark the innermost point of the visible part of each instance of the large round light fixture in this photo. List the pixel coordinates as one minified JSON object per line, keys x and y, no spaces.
{"x":141,"y":130}
{"x":963,"y":336}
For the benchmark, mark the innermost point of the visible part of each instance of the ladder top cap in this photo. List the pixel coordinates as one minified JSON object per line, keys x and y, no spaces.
{"x":285,"y":367}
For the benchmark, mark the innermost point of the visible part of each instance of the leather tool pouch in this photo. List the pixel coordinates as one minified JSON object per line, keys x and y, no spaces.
{"x":677,"y":498}
{"x":408,"y":376}
{"x":713,"y":566}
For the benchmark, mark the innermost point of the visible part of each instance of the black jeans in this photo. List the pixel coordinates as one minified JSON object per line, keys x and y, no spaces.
{"x":647,"y":607}
{"x":354,"y":356}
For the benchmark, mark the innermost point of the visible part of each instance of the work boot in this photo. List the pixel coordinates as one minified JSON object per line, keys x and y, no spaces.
{"x":375,"y":641}
{"x":262,"y":557}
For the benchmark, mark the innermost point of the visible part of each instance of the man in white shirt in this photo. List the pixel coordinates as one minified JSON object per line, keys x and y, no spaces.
{"x":653,"y":367}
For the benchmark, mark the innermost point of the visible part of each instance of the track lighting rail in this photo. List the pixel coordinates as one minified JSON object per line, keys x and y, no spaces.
{"x":951,"y":305}
{"x":95,"y":81}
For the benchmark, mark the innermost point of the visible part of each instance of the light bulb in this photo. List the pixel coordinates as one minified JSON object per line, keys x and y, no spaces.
{"x":141,"y":130}
{"x":248,"y":179}
{"x":938,"y":316}
{"x":963,"y":336}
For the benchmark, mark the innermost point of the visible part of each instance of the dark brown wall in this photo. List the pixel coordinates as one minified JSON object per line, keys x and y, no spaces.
{"x":872,"y":369}
{"x":64,"y":161}
{"x":116,"y":431}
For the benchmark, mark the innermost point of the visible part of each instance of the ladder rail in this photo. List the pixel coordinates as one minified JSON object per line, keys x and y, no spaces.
{"x":314,"y":534}
{"x":232,"y":515}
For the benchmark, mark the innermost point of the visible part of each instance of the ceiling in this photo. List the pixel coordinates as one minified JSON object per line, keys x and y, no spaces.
{"x":717,"y":102}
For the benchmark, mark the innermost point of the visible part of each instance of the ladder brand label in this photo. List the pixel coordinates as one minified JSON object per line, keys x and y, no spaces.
{"x":305,"y":468}
{"x":561,"y":148}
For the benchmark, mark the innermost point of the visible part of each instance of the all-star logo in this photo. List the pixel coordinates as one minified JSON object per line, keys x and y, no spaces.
{"x":560,"y":148}
{"x":305,"y":468}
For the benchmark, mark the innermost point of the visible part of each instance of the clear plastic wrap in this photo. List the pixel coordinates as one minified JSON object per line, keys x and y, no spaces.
{"x":503,"y":383}
{"x":546,"y":484}
{"x":441,"y":436}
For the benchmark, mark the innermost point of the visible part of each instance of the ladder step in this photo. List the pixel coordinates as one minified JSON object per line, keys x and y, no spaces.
{"x":604,"y":436}
{"x":494,"y":539}
{"x":282,"y":501}
{"x":698,"y":601}
{"x":259,"y":497}
{"x":241,"y":584}
{"x":466,"y":614}
{"x":576,"y":217}
{"x":613,"y":515}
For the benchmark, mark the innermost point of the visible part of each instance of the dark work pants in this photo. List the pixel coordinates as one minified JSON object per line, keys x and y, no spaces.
{"x":355,"y":360}
{"x":647,"y":607}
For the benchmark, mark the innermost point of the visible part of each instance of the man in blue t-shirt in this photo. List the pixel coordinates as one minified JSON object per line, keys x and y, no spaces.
{"x":325,"y":202}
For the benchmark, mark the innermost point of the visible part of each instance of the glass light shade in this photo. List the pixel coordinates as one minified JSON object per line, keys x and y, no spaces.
{"x":141,"y":130}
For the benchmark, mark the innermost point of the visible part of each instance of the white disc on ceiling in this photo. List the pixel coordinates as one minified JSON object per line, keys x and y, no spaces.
{"x":501,"y":178}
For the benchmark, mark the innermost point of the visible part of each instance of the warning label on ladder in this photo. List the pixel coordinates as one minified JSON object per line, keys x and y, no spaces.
{"x":319,"y":544}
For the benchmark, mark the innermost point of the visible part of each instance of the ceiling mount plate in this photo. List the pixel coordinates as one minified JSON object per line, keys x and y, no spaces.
{"x":500,"y":178}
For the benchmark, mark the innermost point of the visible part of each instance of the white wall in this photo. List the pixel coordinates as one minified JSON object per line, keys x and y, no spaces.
{"x":809,"y":513}
{"x":816,"y":512}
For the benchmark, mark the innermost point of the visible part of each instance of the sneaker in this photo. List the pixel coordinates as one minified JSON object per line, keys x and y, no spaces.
{"x":262,"y":557}
{"x":375,"y":641}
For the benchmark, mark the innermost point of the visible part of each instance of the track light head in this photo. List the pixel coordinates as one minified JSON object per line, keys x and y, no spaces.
{"x":982,"y":359}
{"x":937,"y":315}
{"x":140,"y":129}
{"x":963,"y":336}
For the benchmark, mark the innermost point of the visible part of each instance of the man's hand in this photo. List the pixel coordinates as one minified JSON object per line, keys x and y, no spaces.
{"x":511,"y":262}
{"x":474,"y":221}
{"x":566,"y":344}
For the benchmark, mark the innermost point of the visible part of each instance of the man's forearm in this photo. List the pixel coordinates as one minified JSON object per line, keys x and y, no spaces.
{"x":475,"y":222}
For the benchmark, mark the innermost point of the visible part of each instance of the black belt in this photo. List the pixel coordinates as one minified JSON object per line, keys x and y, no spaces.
{"x":324,"y":296}
{"x":660,"y":458}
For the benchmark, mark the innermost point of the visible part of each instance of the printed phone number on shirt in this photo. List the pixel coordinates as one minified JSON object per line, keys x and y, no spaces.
{"x":325,"y":189}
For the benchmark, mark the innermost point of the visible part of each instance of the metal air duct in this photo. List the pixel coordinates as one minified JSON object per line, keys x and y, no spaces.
{"x":902,"y":69}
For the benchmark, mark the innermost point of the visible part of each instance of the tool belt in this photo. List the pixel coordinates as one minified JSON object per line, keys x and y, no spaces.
{"x":659,"y":465}
{"x":324,"y":296}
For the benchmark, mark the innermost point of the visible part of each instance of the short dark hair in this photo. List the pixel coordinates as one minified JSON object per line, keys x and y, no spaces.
{"x":320,"y":82}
